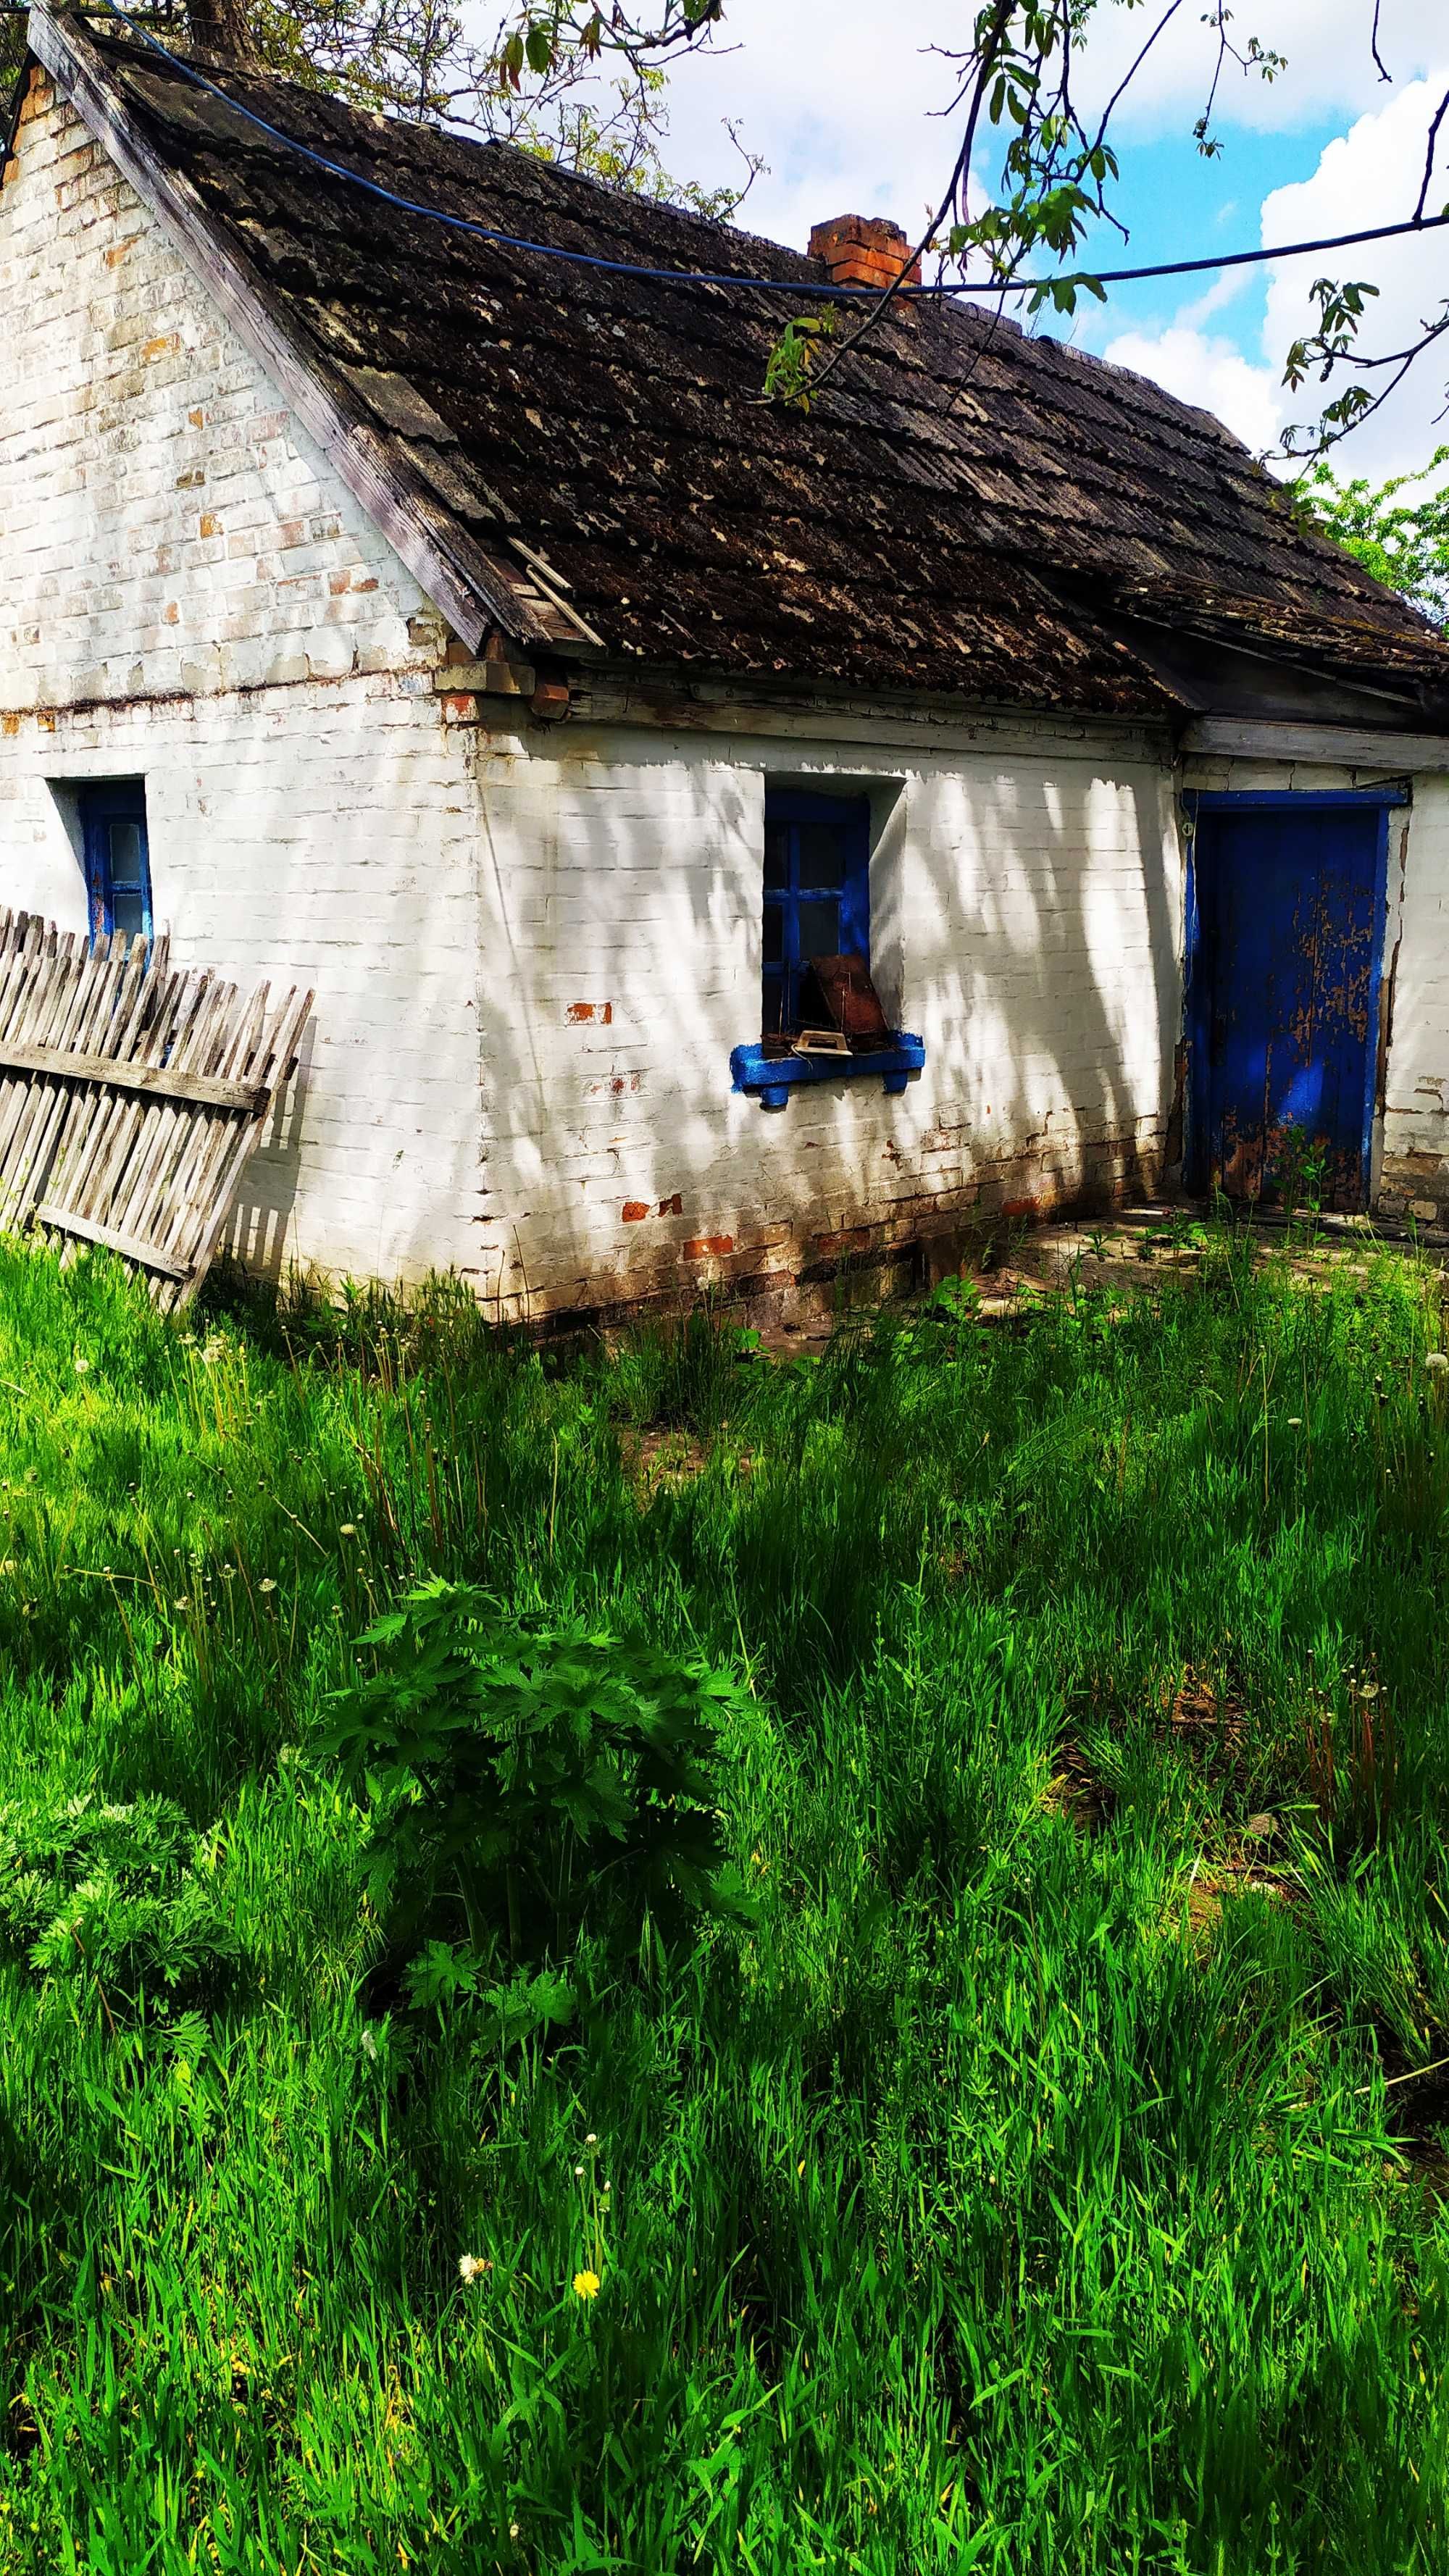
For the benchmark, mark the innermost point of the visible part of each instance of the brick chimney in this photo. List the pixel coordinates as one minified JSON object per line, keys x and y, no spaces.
{"x":864,"y":250}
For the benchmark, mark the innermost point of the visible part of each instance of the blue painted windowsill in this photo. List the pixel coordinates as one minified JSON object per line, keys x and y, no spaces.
{"x":772,"y":1078}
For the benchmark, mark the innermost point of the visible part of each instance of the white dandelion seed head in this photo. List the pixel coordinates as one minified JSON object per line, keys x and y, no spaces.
{"x":369,"y":2050}
{"x":591,"y":2140}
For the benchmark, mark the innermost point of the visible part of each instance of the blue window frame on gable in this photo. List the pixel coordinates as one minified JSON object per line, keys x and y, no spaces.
{"x":817,"y":892}
{"x":117,"y":858}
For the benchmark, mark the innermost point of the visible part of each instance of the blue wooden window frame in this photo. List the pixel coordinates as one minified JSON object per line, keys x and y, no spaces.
{"x":795,"y":880}
{"x":102,"y":807}
{"x":1231,"y":800}
{"x":769,"y":1071}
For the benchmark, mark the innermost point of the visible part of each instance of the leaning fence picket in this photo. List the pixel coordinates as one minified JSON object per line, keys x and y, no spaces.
{"x":132,"y":1094}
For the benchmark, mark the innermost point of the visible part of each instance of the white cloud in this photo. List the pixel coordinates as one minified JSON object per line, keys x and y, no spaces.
{"x":1326,"y":44}
{"x":844,"y":100}
{"x":1208,"y":372}
{"x":1371,"y":175}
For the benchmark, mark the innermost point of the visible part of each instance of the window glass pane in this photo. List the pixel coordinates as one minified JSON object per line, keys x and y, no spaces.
{"x":128,"y":911}
{"x":822,"y":855}
{"x":819,"y":930}
{"x":774,"y":934}
{"x":773,"y":1001}
{"x":126,"y":862}
{"x":777,"y":856}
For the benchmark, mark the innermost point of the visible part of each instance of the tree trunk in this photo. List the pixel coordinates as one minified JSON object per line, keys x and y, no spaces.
{"x":221,"y":27}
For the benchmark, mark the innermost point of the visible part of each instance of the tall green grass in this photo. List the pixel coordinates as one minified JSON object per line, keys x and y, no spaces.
{"x":1044,"y":2181}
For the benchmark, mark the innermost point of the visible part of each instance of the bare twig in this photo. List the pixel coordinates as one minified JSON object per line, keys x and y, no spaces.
{"x":1430,"y":149}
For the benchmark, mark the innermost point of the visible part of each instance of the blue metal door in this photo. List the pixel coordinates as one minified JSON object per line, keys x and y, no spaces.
{"x":1285,"y":938}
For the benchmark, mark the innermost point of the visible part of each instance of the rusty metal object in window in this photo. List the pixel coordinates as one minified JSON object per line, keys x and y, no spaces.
{"x":838,"y":992}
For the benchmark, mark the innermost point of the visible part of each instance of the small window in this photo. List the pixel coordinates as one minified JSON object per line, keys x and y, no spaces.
{"x":817,"y":893}
{"x":117,"y":858}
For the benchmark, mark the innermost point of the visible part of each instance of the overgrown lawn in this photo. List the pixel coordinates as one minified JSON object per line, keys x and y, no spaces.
{"x":1041,"y":2178}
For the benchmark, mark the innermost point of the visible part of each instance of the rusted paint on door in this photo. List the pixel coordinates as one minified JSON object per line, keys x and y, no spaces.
{"x":1285,"y":943}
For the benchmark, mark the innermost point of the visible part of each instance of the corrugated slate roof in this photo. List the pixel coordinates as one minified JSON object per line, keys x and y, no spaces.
{"x":968,"y":509}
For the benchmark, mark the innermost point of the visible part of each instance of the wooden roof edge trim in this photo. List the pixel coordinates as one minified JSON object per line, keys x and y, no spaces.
{"x":1335,"y":744}
{"x":618,"y":690}
{"x":454,"y":573}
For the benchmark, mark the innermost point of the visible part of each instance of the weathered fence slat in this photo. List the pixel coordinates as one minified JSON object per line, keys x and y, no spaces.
{"x":158,"y":1080}
{"x":132,"y":1094}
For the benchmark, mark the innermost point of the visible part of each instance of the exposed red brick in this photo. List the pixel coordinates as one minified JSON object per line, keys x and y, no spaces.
{"x":634,"y":1209}
{"x":864,"y":250}
{"x":550,"y":700}
{"x":602,"y":1012}
{"x":701,"y":1246}
{"x":672,"y":1207}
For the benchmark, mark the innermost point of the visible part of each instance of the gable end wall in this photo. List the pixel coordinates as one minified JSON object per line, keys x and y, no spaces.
{"x":189,"y":595}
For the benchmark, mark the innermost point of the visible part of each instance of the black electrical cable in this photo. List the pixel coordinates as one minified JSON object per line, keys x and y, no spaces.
{"x":795,"y":287}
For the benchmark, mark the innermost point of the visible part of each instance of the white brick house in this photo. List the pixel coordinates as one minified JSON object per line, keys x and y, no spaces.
{"x":450,"y":630}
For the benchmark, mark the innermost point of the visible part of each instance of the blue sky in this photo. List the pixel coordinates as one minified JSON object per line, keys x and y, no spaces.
{"x":838,"y":96}
{"x":1178,"y":205}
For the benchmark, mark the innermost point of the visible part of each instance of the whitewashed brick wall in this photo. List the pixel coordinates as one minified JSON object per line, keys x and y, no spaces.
{"x":533,"y":949}
{"x":1027,"y":914}
{"x":188,"y":595}
{"x":165,"y":526}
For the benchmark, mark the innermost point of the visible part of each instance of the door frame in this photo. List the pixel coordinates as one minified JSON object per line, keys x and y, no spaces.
{"x":1196,"y":997}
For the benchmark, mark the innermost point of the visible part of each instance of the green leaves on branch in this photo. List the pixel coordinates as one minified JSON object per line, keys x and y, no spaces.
{"x":542,"y":41}
{"x":1340,"y":310}
{"x":794,"y":356}
{"x":1403,"y":542}
{"x":528,"y":1783}
{"x":534,"y":48}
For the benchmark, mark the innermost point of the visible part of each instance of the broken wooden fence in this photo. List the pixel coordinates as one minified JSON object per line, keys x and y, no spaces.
{"x":132,"y":1093}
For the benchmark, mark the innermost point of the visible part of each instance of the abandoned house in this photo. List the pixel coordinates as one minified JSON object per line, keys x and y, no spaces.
{"x":727,"y":842}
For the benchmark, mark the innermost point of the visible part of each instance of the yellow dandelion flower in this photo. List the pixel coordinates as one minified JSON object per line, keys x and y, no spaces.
{"x":586,"y":2285}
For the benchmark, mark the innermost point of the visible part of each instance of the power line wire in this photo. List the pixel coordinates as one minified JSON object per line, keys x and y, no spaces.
{"x":795,"y":287}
